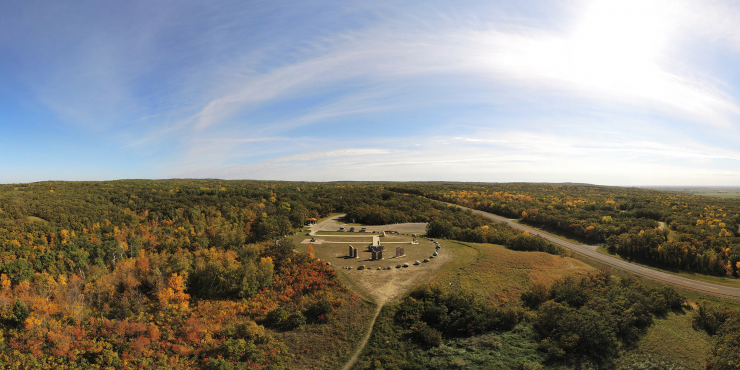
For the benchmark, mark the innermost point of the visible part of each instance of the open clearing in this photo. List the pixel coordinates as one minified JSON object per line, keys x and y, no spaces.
{"x":380,"y":285}
{"x":500,"y":275}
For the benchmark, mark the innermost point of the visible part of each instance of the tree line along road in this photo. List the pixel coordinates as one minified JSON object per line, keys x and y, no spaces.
{"x":590,"y":251}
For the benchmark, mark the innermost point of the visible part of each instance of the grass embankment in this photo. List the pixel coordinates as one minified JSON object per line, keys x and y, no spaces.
{"x":501,"y":275}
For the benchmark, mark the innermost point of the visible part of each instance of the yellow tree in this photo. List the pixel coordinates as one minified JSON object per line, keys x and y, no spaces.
{"x":311,"y":253}
{"x":174,"y":295}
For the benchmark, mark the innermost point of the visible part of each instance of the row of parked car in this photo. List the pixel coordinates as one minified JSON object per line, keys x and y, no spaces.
{"x":352,"y":229}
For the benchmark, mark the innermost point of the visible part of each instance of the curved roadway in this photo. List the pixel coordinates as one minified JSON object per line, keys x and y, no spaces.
{"x":590,"y":251}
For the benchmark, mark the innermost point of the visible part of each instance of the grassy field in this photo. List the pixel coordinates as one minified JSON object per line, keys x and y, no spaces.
{"x":37,"y":219}
{"x":673,"y":339}
{"x":501,"y":275}
{"x":717,"y":192}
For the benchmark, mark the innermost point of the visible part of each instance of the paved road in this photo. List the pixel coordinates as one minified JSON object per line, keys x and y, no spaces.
{"x":330,"y":224}
{"x":590,"y":251}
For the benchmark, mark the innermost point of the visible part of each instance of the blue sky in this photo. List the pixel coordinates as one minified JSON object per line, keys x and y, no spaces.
{"x":629,"y":92}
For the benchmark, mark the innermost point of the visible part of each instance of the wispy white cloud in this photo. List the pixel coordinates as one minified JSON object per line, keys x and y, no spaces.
{"x":611,"y":56}
{"x":511,"y":156}
{"x":283,"y":162}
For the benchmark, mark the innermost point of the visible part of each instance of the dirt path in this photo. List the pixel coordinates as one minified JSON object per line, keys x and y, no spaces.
{"x":354,"y":357}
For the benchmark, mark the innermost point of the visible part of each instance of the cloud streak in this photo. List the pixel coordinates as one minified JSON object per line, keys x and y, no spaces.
{"x":607,"y":58}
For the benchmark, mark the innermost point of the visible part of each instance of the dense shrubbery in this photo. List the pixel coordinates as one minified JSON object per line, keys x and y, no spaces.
{"x":430,"y":313}
{"x":577,"y":322}
{"x":724,"y":325}
{"x":494,"y":233}
{"x":588,"y":319}
{"x":533,"y":243}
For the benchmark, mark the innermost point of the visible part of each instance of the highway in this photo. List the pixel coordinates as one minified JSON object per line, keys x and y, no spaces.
{"x":590,"y":251}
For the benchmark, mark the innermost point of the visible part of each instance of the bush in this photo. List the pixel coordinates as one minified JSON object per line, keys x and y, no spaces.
{"x":536,"y":296}
{"x":591,"y":318}
{"x":429,"y":336}
{"x":710,"y":317}
{"x":319,"y":312}
{"x":451,"y":314}
{"x":295,"y":320}
{"x":725,"y":352}
{"x":276,"y":318}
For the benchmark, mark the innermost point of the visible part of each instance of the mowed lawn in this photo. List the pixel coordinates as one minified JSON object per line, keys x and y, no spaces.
{"x":337,"y":253}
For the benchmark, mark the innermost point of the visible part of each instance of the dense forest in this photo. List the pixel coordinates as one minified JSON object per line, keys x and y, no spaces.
{"x":197,"y":273}
{"x":702,"y":234}
{"x":177,"y":273}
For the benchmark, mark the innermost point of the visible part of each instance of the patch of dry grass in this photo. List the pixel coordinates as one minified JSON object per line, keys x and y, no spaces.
{"x":329,"y":346}
{"x":674,"y":338}
{"x":501,"y":275}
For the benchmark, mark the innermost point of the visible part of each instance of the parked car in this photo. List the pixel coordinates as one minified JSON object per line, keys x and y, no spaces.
{"x":352,"y":229}
{"x":363,"y":230}
{"x":341,"y":228}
